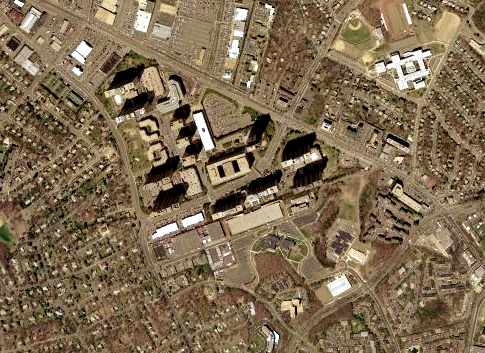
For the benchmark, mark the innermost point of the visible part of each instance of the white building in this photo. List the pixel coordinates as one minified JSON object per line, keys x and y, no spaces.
{"x":23,"y":59}
{"x":410,"y":68}
{"x":165,"y":230}
{"x":238,"y":32}
{"x":30,"y":19}
{"x":142,"y":21}
{"x":143,"y":15}
{"x":193,"y":220}
{"x":19,"y":3}
{"x":339,"y":285}
{"x":82,"y":52}
{"x":309,"y":157}
{"x":203,"y":131}
{"x":76,"y":70}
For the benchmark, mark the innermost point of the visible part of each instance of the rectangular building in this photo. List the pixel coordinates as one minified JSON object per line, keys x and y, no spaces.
{"x":246,"y":221}
{"x":82,"y":52}
{"x":339,"y":285}
{"x":204,"y":131}
{"x":23,"y":59}
{"x":167,"y":229}
{"x":228,"y":169}
{"x":193,"y":220}
{"x":30,"y":19}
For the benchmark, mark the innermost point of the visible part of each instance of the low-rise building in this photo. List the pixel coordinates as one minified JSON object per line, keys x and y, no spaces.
{"x":410,"y":68}
{"x":23,"y":59}
{"x":30,"y":19}
{"x":339,"y":285}
{"x":82,"y":51}
{"x":193,"y":220}
{"x":165,"y":230}
{"x":228,"y":169}
{"x":246,"y":221}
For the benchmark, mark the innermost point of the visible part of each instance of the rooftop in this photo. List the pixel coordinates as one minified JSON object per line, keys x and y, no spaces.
{"x":339,"y":285}
{"x":246,"y":221}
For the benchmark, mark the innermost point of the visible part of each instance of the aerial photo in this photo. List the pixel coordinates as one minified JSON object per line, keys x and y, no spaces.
{"x":242,"y":176}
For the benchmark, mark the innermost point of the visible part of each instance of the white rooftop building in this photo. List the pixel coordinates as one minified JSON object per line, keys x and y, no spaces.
{"x":410,"y":68}
{"x":142,"y":21}
{"x":23,"y":59}
{"x":30,"y":19}
{"x":339,"y":285}
{"x":19,"y":3}
{"x":76,"y":70}
{"x":193,"y":220}
{"x":237,"y":35}
{"x":165,"y":230}
{"x":240,"y":14}
{"x":203,"y":131}
{"x":82,"y":52}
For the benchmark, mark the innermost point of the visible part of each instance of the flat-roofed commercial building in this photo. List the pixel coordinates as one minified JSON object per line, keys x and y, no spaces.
{"x":23,"y":59}
{"x":228,"y":169}
{"x":204,"y":131}
{"x":410,"y":68}
{"x":246,"y":221}
{"x":82,"y":52}
{"x":339,"y":285}
{"x":142,"y":21}
{"x":193,"y":220}
{"x":161,"y":31}
{"x":30,"y":19}
{"x":167,"y":229}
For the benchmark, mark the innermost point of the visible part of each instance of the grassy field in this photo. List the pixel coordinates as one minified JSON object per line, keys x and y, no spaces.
{"x":6,"y":236}
{"x":54,"y":84}
{"x":136,"y":148}
{"x":349,"y":204}
{"x":133,"y":59}
{"x":355,"y":32}
{"x":332,"y":162}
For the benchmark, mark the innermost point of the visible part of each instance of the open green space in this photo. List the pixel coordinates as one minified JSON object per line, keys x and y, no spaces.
{"x":410,"y":5}
{"x":311,"y":119}
{"x":54,"y":84}
{"x":136,"y":147}
{"x":332,"y":155}
{"x":355,"y":32}
{"x":348,"y":211}
{"x":253,"y":112}
{"x":358,"y":324}
{"x":481,"y":235}
{"x":6,"y":236}
{"x":257,"y":343}
{"x":133,"y":59}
